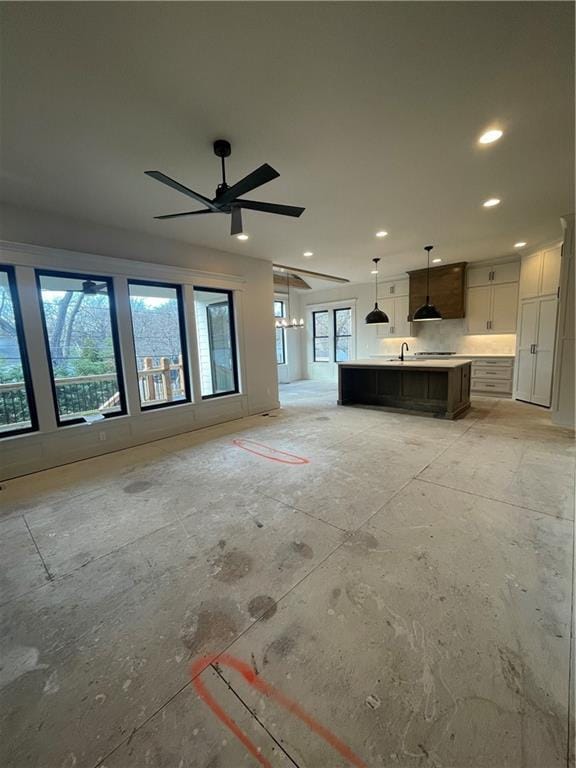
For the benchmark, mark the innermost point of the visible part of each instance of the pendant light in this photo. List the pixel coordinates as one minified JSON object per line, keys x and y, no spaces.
{"x":376,"y":317}
{"x":427,"y":311}
{"x":293,"y":323}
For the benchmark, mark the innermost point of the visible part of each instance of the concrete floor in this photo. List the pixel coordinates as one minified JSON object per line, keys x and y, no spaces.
{"x":409,"y":589}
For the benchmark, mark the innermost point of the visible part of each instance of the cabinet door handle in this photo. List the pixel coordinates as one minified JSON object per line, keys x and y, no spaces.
{"x":487,"y":324}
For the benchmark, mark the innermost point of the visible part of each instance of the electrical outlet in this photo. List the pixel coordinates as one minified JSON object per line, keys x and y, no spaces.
{"x":102,"y":436}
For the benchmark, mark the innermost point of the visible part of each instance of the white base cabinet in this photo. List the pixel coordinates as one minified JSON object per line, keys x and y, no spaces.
{"x":535,"y":353}
{"x":492,"y":376}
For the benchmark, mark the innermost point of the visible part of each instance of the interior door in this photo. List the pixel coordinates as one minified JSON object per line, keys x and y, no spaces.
{"x":544,"y":357}
{"x":504,"y":308}
{"x":478,"y":308}
{"x":525,"y":358}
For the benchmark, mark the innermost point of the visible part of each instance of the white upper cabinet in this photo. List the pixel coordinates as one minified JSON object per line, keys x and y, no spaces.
{"x":397,"y":310}
{"x":504,"y":308}
{"x":540,"y":273}
{"x":478,"y":276}
{"x":492,"y":298}
{"x":550,"y":278}
{"x":509,"y":272}
{"x":478,"y":301}
{"x":530,"y":275}
{"x":493,"y":274}
{"x":394,"y":288}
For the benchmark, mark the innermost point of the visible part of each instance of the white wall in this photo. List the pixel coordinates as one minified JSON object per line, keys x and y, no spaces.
{"x":564,"y":380}
{"x":444,"y":336}
{"x":52,"y":241}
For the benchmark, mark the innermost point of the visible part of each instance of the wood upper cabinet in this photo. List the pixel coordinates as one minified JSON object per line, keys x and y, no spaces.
{"x":447,"y":285}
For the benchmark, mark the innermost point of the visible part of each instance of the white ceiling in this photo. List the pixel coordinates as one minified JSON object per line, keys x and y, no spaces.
{"x":370,"y":112}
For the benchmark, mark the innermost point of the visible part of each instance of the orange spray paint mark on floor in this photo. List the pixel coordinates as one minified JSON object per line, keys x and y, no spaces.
{"x":226,"y":660}
{"x":266,"y":452}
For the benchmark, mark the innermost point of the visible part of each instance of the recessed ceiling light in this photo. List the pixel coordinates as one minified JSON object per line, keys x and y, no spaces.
{"x":374,"y":272}
{"x":308,"y":254}
{"x":242,"y":236}
{"x":436,"y":261}
{"x":382,"y":233}
{"x":491,"y":202}
{"x":521,"y":244}
{"x":489,"y":137}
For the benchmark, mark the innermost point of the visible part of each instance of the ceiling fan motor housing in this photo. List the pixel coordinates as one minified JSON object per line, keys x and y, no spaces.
{"x":222,"y":148}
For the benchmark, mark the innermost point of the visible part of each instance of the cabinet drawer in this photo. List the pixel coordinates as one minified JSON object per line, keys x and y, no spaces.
{"x":491,"y":371}
{"x":500,"y":361}
{"x":502,"y":387}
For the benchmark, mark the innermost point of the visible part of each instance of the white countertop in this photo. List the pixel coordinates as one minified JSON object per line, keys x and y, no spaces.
{"x":444,"y":362}
{"x":432,"y":356}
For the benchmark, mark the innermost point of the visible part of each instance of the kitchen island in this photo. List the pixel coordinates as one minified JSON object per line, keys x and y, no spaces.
{"x":441,"y":387}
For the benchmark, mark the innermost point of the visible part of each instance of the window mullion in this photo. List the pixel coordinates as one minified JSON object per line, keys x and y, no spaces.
{"x":31,"y":312}
{"x":192,"y":346}
{"x":127,"y":349}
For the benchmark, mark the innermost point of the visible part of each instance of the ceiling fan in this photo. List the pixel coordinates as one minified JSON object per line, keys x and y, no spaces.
{"x":228,"y":199}
{"x":90,"y":287}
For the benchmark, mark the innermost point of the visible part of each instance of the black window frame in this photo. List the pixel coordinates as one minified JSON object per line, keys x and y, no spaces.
{"x":341,"y":335}
{"x":233,"y":348}
{"x":115,"y":341}
{"x":283,"y":331}
{"x":183,"y":343}
{"x":24,"y":361}
{"x":316,"y":336}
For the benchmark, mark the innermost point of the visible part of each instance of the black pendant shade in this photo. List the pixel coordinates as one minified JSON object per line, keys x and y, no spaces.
{"x":427,"y":311}
{"x":377,"y":316}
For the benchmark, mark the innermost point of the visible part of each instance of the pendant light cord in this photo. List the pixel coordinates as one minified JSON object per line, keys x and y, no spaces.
{"x":428,"y":249}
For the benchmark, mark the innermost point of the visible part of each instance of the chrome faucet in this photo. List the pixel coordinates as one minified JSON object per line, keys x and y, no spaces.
{"x":404,"y":344}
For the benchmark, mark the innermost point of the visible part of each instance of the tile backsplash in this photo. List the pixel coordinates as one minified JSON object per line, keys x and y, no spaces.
{"x":451,"y":336}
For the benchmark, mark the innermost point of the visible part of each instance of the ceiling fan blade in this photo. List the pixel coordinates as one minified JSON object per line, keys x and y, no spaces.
{"x":187,"y":213}
{"x":236,"y":227}
{"x":161,"y":177}
{"x":282,"y":210}
{"x":260,"y":176}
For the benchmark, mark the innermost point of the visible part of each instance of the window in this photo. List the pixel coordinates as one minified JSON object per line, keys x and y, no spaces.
{"x":342,"y":334}
{"x":321,"y":331}
{"x":82,"y":340}
{"x":158,"y":327}
{"x":216,"y":342}
{"x":17,"y":412}
{"x":279,"y":311}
